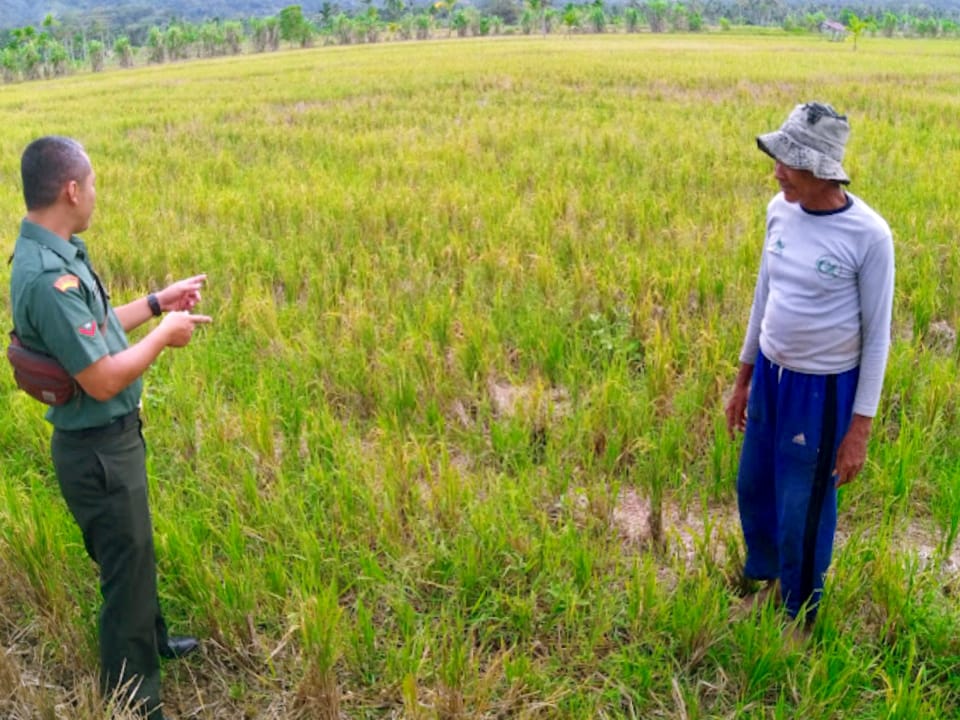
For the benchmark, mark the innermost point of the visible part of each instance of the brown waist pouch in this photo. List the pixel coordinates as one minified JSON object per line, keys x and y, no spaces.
{"x":39,"y":375}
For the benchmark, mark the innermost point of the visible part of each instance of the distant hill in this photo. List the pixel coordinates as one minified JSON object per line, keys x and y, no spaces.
{"x":135,"y":17}
{"x":17,"y":13}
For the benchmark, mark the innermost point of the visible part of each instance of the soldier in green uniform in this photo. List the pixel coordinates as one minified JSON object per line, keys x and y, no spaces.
{"x":60,"y":308}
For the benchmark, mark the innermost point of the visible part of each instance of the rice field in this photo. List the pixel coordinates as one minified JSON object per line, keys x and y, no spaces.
{"x":454,"y":445}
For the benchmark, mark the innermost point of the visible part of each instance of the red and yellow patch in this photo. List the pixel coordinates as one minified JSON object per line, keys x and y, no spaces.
{"x":67,"y":282}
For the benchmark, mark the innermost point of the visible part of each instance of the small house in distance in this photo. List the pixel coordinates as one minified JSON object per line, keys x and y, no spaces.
{"x":835,"y":30}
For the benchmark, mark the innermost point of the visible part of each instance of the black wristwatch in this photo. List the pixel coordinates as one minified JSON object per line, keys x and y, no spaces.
{"x":154,"y":305}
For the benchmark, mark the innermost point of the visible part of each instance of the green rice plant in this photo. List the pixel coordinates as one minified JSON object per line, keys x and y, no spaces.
{"x":947,"y":512}
{"x":905,"y":694}
{"x":318,"y":695}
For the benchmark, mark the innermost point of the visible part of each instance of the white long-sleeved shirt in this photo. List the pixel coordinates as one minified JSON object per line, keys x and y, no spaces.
{"x":824,"y":294}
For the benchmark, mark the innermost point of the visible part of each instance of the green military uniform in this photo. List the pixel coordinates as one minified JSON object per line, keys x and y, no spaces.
{"x":60,"y":308}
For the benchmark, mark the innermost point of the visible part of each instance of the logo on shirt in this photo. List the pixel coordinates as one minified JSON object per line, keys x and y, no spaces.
{"x":67,"y":282}
{"x":88,"y":329}
{"x":777,"y":246}
{"x":828,"y":266}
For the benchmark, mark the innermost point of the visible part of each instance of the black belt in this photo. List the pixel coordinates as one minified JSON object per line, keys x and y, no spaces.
{"x":115,"y":427}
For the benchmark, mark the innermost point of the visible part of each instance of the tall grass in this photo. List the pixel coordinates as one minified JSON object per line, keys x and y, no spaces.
{"x":468,"y":298}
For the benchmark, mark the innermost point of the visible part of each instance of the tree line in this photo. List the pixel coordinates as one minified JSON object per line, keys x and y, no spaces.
{"x":56,"y":48}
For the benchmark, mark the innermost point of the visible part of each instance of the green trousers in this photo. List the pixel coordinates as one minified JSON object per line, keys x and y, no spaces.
{"x":103,"y":477}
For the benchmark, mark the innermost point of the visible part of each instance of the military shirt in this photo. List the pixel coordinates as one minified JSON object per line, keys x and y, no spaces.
{"x":61,"y":309}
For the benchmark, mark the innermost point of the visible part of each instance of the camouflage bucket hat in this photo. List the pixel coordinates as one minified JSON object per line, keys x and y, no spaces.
{"x":812,"y":138}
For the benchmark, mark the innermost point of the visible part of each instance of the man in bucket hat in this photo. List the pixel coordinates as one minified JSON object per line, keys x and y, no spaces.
{"x":812,"y":361}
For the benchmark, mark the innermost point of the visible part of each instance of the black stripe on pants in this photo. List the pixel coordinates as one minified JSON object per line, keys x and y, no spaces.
{"x":822,"y":478}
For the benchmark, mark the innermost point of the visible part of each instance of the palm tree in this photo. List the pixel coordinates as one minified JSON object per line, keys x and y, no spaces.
{"x":9,"y":62}
{"x":175,"y":42}
{"x":856,"y":26}
{"x":342,"y":27}
{"x":30,"y":61}
{"x":156,"y":45}
{"x":213,"y":40}
{"x":123,"y":51}
{"x":657,"y":15}
{"x":539,"y":8}
{"x":233,"y":36}
{"x":95,"y":54}
{"x":260,"y":33}
{"x":422,"y":24}
{"x":445,"y":9}
{"x":460,"y":23}
{"x":889,"y":24}
{"x":598,"y":18}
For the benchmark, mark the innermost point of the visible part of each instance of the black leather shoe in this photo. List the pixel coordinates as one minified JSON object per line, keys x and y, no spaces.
{"x":177,"y":646}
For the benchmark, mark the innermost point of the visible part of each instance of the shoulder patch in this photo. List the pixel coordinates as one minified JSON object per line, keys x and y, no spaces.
{"x":88,"y":329}
{"x":67,"y":282}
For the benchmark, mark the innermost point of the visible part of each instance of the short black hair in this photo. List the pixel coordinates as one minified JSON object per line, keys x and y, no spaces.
{"x":47,"y":165}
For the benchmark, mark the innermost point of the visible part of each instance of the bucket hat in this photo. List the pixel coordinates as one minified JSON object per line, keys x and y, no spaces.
{"x":813,"y":138}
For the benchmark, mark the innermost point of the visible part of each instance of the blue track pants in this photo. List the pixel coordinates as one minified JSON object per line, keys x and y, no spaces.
{"x":785,"y":486}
